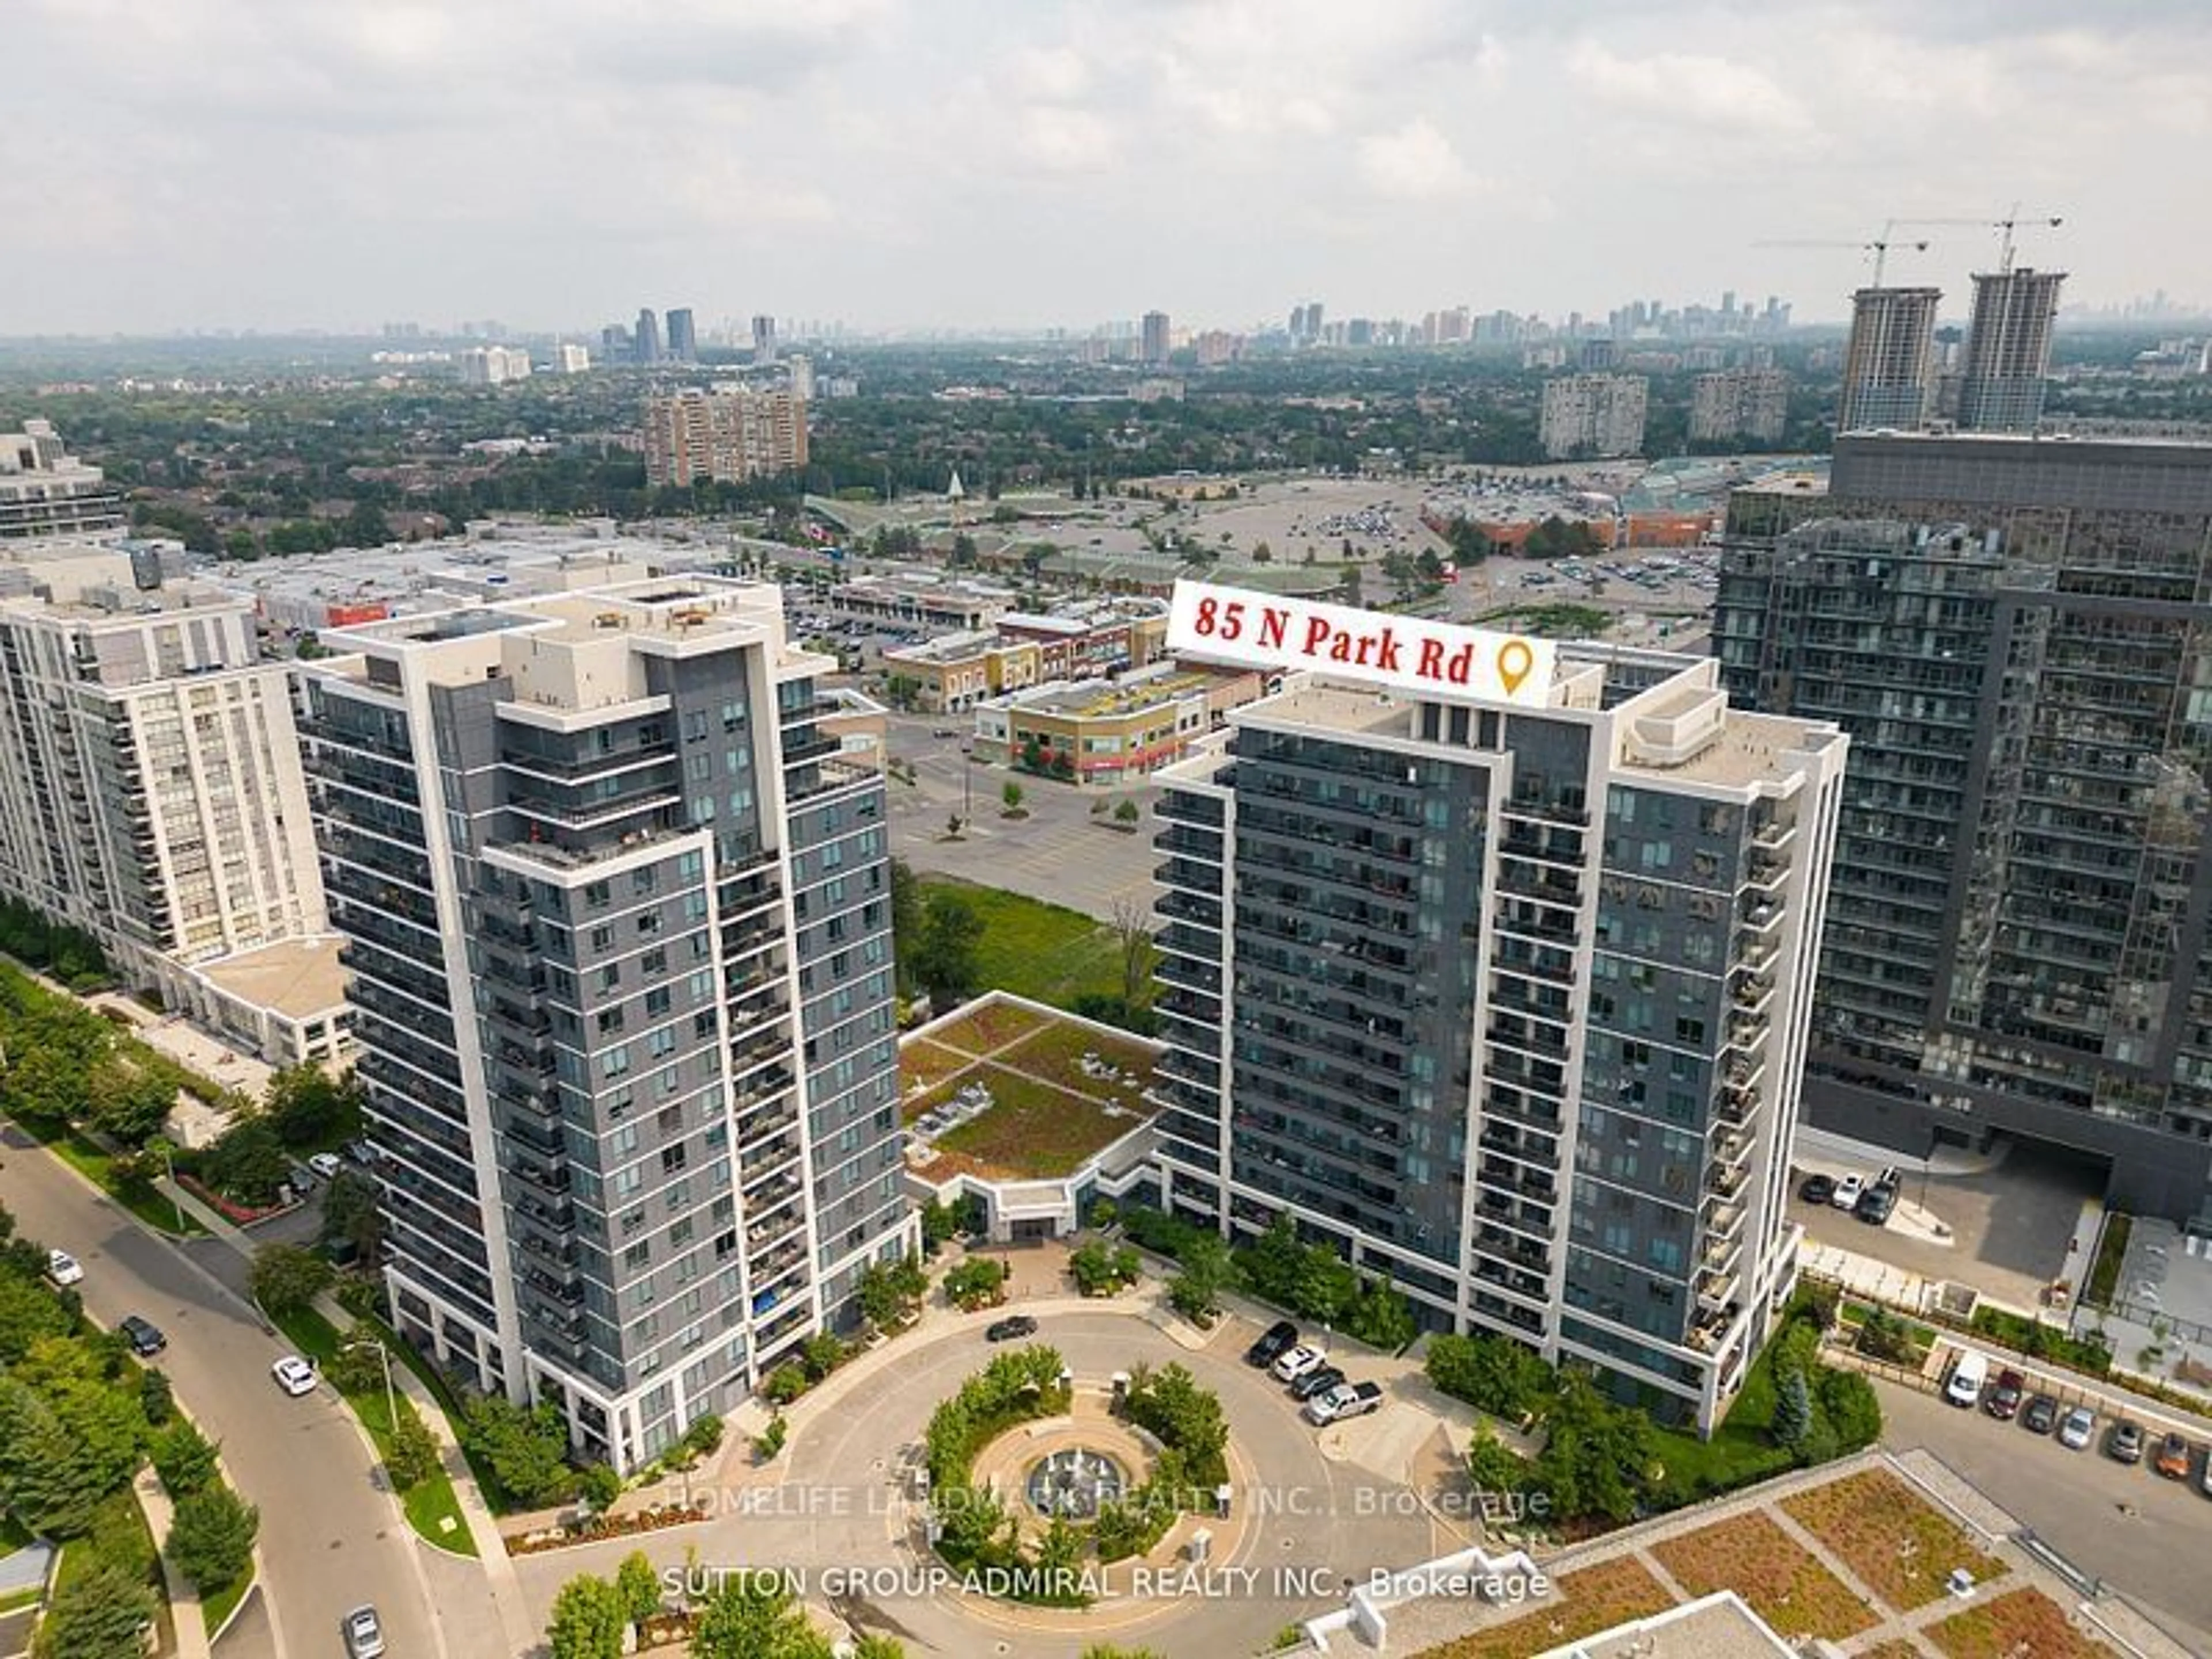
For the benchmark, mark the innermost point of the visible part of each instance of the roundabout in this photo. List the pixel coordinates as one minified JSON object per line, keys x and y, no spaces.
{"x":1282,"y":1537}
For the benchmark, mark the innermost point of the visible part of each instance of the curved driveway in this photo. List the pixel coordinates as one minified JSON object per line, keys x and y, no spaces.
{"x":330,"y":1537}
{"x":839,"y":1504}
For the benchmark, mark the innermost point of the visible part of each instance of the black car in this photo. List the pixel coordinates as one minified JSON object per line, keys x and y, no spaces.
{"x":1319,"y":1379}
{"x":1817,"y":1189}
{"x":2041,"y":1415}
{"x":1012,"y":1328}
{"x":1875,"y":1204}
{"x":143,"y":1335}
{"x":1278,"y":1338}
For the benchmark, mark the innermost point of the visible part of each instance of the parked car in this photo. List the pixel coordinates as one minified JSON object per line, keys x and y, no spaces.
{"x":1011,"y":1328}
{"x":1969,"y":1372}
{"x":2172,"y":1459}
{"x":1280,"y":1338}
{"x":143,"y":1335}
{"x":2124,"y":1444}
{"x":63,"y":1268}
{"x":1817,"y":1189}
{"x":293,"y":1375}
{"x":2041,"y":1415}
{"x":2075,"y":1428}
{"x":2004,"y":1402}
{"x":1847,"y":1192}
{"x":1345,"y":1399}
{"x":324,"y":1164}
{"x":364,"y":1634}
{"x":1297,"y":1362}
{"x":1320,"y":1380}
{"x":1876,"y":1205}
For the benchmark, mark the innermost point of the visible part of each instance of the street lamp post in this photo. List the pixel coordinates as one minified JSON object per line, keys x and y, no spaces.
{"x":967,"y":785}
{"x":176,"y":1192}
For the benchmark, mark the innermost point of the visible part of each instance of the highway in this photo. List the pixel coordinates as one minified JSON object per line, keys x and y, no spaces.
{"x":330,"y":1537}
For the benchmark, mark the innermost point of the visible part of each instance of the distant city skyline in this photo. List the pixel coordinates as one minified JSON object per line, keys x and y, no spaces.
{"x":978,"y":165}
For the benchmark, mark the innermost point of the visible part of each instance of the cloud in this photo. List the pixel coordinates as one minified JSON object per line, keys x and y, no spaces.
{"x":1415,"y":162}
{"x":1714,"y":92}
{"x":1060,"y":140}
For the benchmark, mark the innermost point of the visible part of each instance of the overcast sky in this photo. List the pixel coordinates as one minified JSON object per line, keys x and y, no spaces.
{"x":179,"y":164}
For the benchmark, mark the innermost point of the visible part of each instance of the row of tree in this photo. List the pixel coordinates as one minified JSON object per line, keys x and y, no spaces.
{"x":1310,"y":1279}
{"x":78,"y":1417}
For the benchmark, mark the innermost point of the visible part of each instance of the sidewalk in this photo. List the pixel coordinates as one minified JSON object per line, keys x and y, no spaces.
{"x":184,"y":1600}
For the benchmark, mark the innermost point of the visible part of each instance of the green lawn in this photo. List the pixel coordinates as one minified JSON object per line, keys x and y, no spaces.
{"x":1043,"y":951}
{"x":1032,"y":1130}
{"x":1740,"y":1451}
{"x":429,"y":1504}
{"x":214,"y":1609}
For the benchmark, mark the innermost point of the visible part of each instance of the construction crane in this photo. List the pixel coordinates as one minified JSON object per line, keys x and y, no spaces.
{"x":1879,"y":247}
{"x":2008,"y":225}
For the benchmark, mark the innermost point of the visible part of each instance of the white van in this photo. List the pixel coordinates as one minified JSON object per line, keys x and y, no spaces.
{"x":1968,"y":1373}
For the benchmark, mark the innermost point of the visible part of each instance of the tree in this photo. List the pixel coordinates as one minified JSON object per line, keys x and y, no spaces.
{"x":357,"y":1367}
{"x":102,"y":1613}
{"x":588,"y":1621}
{"x":411,"y":1455}
{"x":1382,"y":1318}
{"x":1011,"y":797}
{"x":768,"y":1444}
{"x":1493,"y":1374}
{"x":946,"y":963}
{"x":907,"y":919}
{"x":287,"y":1278}
{"x":525,"y":1450}
{"x":185,"y":1459}
{"x":638,"y":1586}
{"x":1793,"y":1410}
{"x":878,"y":1647}
{"x":1133,"y":936}
{"x":126,"y":1103}
{"x":308,"y":1108}
{"x":1125,"y":812}
{"x":976,"y":1283}
{"x":155,"y":1397}
{"x":211,"y":1539}
{"x":747,"y":1619}
{"x":1203,"y":1268}
{"x":821,"y":1354}
{"x":248,"y":1162}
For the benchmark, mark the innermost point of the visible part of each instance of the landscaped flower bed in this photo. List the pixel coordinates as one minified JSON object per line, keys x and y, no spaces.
{"x":1785,"y":1585}
{"x":989,"y":1027}
{"x":1585,"y":1602}
{"x":1896,"y":1648}
{"x":602,"y":1526}
{"x":243,"y":1214}
{"x":1899,"y":1546}
{"x":2027,"y":1621}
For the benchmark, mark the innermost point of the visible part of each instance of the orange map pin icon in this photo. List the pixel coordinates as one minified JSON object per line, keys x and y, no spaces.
{"x":1514,"y":660}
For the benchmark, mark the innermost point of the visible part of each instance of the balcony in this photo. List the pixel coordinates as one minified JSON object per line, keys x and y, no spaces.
{"x":1774,"y":835}
{"x":1764,"y":870}
{"x":1725,"y":1220}
{"x":1726,"y":1182}
{"x":548,"y":1178}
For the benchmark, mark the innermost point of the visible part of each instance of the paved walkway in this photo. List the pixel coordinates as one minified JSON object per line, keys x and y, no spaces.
{"x":184,"y":1612}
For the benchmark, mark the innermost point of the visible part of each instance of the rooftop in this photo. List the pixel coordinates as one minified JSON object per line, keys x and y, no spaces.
{"x":1009,"y":1090}
{"x":299,"y":978}
{"x":1106,"y":699}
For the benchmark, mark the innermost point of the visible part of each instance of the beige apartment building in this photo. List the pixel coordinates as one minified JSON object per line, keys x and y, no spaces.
{"x":727,"y":433}
{"x":154,"y":797}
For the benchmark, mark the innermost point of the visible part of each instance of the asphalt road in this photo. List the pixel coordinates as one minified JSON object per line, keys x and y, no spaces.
{"x":2144,"y":1535}
{"x":330,"y":1537}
